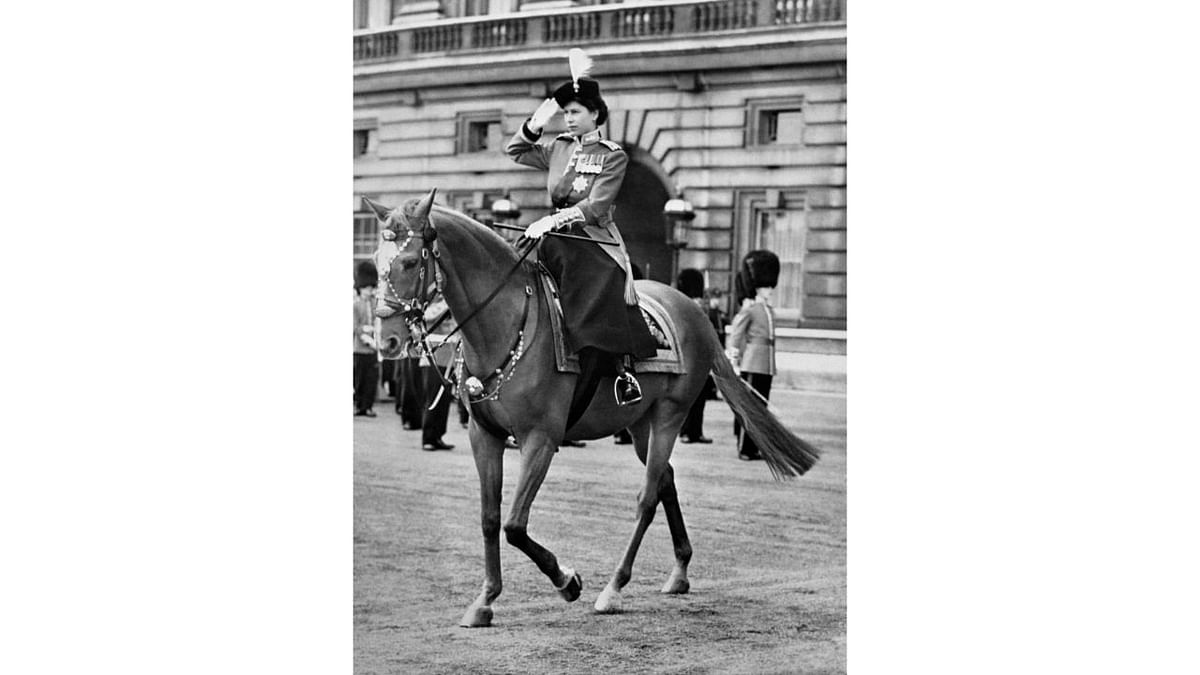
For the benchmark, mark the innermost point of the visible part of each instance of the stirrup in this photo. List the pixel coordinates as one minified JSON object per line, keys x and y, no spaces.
{"x":628,"y":394}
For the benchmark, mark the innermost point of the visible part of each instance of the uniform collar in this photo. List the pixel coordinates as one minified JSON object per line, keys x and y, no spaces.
{"x":589,"y":138}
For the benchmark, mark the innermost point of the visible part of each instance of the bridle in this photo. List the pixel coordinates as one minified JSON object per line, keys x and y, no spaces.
{"x":413,"y":309}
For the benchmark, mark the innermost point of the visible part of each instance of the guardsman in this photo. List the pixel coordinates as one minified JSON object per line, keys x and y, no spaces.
{"x":584,"y":171}
{"x":751,"y":346}
{"x":366,"y":361}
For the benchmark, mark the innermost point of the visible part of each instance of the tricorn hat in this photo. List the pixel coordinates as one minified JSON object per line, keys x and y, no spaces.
{"x":762,"y":267}
{"x":366,"y":275}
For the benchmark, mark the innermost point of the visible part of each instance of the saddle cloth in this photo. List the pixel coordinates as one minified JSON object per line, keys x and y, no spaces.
{"x":657,"y":320}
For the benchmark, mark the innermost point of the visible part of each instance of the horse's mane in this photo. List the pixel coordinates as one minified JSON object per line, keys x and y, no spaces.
{"x":449,"y":219}
{"x":458,"y":225}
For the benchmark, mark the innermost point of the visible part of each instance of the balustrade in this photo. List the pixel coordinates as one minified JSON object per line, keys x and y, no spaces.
{"x":506,"y":33}
{"x":571,"y":27}
{"x":600,"y":22}
{"x":643,"y":21}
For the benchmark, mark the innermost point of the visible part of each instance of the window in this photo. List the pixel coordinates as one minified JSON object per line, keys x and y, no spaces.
{"x":366,"y":235}
{"x":366,"y":137}
{"x":780,"y":126}
{"x":775,"y":122}
{"x":480,"y":132}
{"x":362,"y":138}
{"x":810,"y":240}
{"x":459,"y":8}
{"x":783,"y":231}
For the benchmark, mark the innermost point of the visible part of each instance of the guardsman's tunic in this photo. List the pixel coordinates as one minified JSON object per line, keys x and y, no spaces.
{"x":595,"y":284}
{"x":753,"y":336}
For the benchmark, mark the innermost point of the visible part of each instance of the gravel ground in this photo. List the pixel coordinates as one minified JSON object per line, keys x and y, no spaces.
{"x":768,"y":572}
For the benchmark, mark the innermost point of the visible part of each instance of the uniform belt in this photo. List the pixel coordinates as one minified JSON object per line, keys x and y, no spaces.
{"x":770,"y":342}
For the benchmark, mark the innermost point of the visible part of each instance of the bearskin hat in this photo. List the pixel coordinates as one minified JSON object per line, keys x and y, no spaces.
{"x":365,"y":275}
{"x":691,"y":282}
{"x":762,"y":268}
{"x":588,"y":96}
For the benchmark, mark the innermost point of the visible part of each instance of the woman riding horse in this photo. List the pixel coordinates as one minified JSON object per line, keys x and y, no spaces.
{"x":584,"y":172}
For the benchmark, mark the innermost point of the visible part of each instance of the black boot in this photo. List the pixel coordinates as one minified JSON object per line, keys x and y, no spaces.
{"x":626,"y":388}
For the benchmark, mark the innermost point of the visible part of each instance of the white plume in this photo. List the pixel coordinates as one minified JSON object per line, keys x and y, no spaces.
{"x":581,"y":65}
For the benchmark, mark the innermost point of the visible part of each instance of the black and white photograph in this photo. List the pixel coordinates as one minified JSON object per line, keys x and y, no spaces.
{"x":600,"y":336}
{"x":613,"y":337}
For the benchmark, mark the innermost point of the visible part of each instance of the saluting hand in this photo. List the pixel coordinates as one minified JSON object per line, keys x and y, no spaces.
{"x":542,"y":115}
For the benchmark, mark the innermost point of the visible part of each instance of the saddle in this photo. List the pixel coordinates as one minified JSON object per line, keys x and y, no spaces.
{"x":662,"y":328}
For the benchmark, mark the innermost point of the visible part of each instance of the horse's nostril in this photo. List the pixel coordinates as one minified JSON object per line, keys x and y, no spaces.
{"x":392,"y":344}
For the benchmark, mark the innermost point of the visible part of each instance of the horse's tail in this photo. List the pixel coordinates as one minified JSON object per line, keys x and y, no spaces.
{"x":786,"y":454}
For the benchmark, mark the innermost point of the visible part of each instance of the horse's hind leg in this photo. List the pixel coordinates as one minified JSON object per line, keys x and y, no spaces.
{"x":678,"y":581}
{"x":537,"y":449}
{"x":489,"y":462}
{"x":655,"y":453}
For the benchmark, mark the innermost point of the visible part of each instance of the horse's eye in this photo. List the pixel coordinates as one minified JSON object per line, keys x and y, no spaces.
{"x":408,"y":262}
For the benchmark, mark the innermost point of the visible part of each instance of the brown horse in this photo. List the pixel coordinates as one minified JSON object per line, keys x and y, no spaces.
{"x":517,"y":389}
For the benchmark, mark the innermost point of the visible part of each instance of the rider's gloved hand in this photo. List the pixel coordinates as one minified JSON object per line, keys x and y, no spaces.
{"x":539,"y":227}
{"x":542,"y":115}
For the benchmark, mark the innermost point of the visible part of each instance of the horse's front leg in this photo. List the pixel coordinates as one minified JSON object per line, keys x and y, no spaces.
{"x":537,"y":450}
{"x":489,"y":462}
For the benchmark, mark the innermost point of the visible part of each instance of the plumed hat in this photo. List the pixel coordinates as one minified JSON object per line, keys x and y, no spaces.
{"x":762,"y":269}
{"x":366,"y":275}
{"x":691,"y":282}
{"x":588,"y":95}
{"x":582,"y":88}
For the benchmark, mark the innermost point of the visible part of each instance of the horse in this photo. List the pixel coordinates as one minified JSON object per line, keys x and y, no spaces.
{"x":516,"y":389}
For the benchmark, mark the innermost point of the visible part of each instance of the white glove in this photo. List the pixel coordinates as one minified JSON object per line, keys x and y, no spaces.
{"x":733,"y":355}
{"x":542,"y":115}
{"x":539,"y":227}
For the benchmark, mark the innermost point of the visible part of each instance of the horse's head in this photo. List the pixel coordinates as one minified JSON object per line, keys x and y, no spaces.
{"x":407,"y":272}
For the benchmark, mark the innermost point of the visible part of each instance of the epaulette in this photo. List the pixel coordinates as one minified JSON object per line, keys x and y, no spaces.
{"x":609,"y":144}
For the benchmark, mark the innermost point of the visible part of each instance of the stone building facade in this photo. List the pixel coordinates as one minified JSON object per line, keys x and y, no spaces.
{"x":737,"y":106}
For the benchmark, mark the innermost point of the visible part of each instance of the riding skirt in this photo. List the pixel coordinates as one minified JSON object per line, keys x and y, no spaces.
{"x":591,"y":288}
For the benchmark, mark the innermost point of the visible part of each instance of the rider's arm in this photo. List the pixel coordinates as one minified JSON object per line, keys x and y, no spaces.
{"x":523,"y":148}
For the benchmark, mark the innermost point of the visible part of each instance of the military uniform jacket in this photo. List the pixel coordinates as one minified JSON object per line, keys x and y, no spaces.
{"x":753,"y":335}
{"x":586,"y":173}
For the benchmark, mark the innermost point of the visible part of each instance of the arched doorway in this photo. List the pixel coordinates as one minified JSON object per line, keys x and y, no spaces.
{"x":639,"y":208}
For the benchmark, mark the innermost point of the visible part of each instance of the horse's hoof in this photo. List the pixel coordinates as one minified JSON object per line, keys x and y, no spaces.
{"x":574,"y":586}
{"x":609,"y":601}
{"x":477,"y":616}
{"x":677,"y":585}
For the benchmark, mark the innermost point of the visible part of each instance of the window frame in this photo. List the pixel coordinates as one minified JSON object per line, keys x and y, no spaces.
{"x":749,"y":204}
{"x":370,"y":233}
{"x":757,"y":108}
{"x":370,"y":127}
{"x":463,"y":122}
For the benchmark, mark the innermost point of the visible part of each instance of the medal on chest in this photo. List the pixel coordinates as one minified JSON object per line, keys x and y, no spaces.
{"x":580,"y":184}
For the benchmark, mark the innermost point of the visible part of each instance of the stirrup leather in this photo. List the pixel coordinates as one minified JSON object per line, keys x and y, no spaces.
{"x":626,"y":389}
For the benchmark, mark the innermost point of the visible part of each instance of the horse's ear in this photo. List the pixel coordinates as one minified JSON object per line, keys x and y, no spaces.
{"x":381,"y":211}
{"x":422,"y":213}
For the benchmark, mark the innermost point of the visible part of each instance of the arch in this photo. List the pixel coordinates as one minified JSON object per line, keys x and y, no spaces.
{"x":639,"y":207}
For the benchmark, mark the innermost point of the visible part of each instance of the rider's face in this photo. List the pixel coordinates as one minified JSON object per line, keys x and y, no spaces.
{"x":579,"y":119}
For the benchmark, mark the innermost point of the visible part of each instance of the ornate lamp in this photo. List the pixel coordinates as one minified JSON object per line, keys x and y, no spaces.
{"x":679,"y":213}
{"x":505,"y":208}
